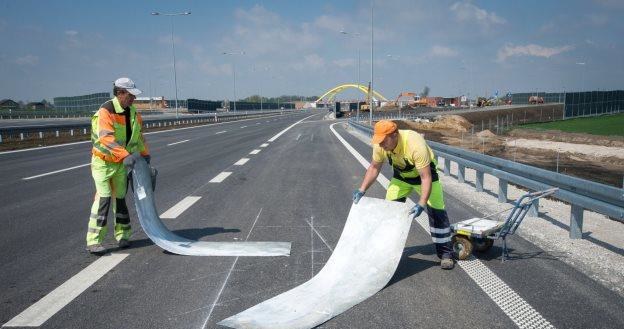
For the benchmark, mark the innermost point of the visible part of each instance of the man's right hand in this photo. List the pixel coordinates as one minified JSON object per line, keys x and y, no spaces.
{"x":357,"y":195}
{"x":129,"y":162}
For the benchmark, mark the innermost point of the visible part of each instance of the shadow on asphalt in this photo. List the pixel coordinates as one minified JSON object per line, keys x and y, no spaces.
{"x":409,"y":266}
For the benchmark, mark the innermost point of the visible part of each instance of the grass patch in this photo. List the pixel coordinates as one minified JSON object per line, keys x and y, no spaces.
{"x":606,"y":125}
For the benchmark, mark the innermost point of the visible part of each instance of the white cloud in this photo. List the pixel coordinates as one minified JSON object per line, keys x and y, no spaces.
{"x":530,"y":50}
{"x":344,"y":62}
{"x":331,"y":23}
{"x":467,"y":12}
{"x":442,"y":51}
{"x":27,"y":60}
{"x":71,"y":33}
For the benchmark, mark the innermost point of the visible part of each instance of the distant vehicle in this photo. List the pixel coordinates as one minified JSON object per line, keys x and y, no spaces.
{"x":536,"y":100}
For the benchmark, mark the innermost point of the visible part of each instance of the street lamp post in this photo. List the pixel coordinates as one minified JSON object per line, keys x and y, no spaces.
{"x":234,"y":72}
{"x":355,"y":35}
{"x":175,"y":75}
{"x":370,"y":89}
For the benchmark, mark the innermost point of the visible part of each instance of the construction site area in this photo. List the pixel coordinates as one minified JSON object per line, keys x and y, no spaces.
{"x":500,"y":133}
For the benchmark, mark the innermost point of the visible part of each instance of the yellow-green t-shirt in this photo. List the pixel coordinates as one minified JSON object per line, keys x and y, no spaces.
{"x":411,"y":150}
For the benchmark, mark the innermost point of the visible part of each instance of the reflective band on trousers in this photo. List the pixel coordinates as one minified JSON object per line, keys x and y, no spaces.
{"x":441,"y":240}
{"x":440,"y":230}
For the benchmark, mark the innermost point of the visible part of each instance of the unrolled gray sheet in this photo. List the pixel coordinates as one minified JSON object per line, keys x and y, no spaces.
{"x":363,"y":262}
{"x":161,"y":236}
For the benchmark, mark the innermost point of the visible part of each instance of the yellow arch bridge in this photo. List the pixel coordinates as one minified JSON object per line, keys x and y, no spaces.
{"x":331,"y":94}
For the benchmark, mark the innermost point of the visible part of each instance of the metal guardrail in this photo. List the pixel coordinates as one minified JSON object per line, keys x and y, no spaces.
{"x":580,"y":193}
{"x":22,"y":133}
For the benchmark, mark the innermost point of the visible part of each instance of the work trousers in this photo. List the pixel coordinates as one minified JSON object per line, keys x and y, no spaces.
{"x":439,"y":225}
{"x":111,"y":184}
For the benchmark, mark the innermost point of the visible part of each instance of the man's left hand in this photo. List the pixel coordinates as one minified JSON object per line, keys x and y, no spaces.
{"x":416,"y":211}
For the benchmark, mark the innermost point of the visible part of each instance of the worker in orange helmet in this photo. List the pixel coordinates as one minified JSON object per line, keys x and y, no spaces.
{"x":414,"y":168}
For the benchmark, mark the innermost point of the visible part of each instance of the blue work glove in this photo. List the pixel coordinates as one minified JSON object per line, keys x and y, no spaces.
{"x":357,"y":195}
{"x":416,"y":211}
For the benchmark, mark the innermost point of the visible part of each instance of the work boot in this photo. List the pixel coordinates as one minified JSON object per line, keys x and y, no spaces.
{"x":447,"y":264}
{"x":123,"y":243}
{"x":96,"y":249}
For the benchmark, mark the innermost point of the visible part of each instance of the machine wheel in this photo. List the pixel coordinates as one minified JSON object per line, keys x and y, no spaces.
{"x":462,"y":247}
{"x":482,"y":245}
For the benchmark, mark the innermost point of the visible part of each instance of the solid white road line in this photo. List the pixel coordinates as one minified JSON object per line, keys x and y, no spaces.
{"x":220,"y":177}
{"x":285,"y":130}
{"x":180,"y":142}
{"x":264,"y":145}
{"x":514,"y":306}
{"x":254,"y":151}
{"x":243,"y":127}
{"x":220,"y":132}
{"x":241,"y":162}
{"x":46,"y":307}
{"x":179,"y":208}
{"x":57,"y":171}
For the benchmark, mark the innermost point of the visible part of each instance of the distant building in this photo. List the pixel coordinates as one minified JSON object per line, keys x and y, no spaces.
{"x":150,"y":103}
{"x":37,"y":106}
{"x":83,"y":103}
{"x":9,"y":104}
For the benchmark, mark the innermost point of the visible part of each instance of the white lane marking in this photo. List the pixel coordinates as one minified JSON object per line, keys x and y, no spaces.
{"x":285,"y":130}
{"x":220,"y":132}
{"x":241,"y":162}
{"x":264,"y":145}
{"x":180,"y":142}
{"x":298,"y":136}
{"x":56,"y":171}
{"x":257,"y":123}
{"x":145,"y":133}
{"x":254,"y":151}
{"x":514,"y":306}
{"x":214,"y":303}
{"x":180,"y":207}
{"x":243,"y":127}
{"x":268,"y":120}
{"x":46,"y":307}
{"x":220,"y":177}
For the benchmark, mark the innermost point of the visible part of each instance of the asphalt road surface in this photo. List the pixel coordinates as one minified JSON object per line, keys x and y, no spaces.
{"x":304,"y":175}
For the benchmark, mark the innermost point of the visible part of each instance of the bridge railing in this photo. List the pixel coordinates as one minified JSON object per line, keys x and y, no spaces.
{"x":581,"y":194}
{"x":69,"y":130}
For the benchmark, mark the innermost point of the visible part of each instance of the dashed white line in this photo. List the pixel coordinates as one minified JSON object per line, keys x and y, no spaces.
{"x":180,"y":142}
{"x":220,"y":132}
{"x":254,"y":151}
{"x":179,"y":208}
{"x":514,"y":306}
{"x":220,"y":177}
{"x":241,"y":162}
{"x":56,"y":171}
{"x":46,"y":307}
{"x":264,"y":145}
{"x":243,"y":127}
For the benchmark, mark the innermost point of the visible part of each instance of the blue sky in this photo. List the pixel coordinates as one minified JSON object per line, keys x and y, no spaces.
{"x":63,"y":48}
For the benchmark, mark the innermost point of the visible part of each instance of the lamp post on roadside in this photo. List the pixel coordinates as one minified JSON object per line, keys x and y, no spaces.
{"x":356,"y":35}
{"x":234,"y":71}
{"x":370,"y":89}
{"x":175,"y":75}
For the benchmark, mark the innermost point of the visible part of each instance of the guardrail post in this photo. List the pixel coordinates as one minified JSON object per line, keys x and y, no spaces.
{"x":71,"y":132}
{"x":84,"y":131}
{"x":576,"y":222}
{"x":534,"y":209}
{"x":479,"y":182}
{"x":447,"y":167}
{"x":21,"y":136}
{"x":57,"y":133}
{"x":461,"y":173}
{"x":502,"y":190}
{"x":40,"y":135}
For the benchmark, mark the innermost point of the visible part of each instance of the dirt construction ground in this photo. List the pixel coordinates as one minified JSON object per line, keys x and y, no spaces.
{"x":596,"y":158}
